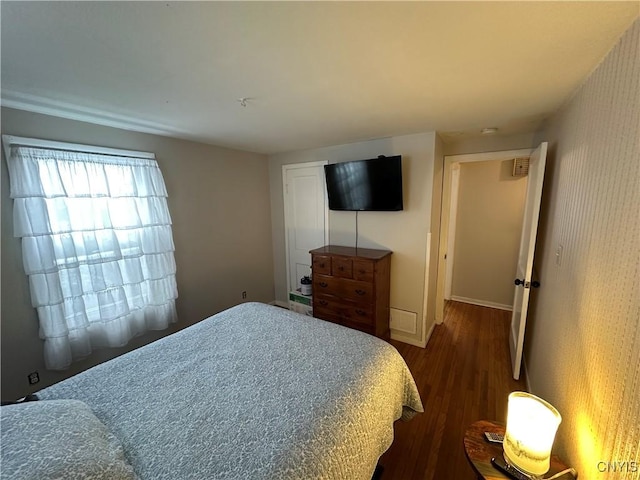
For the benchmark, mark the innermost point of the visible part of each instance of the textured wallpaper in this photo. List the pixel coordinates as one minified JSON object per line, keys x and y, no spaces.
{"x":583,"y":339}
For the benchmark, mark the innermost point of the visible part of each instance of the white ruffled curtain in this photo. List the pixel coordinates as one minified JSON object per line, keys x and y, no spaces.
{"x":97,"y":247}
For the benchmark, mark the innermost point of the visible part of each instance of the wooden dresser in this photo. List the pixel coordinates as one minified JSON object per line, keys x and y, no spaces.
{"x":351,"y":287}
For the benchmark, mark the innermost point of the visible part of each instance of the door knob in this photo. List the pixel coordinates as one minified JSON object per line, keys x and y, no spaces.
{"x":519,"y":282}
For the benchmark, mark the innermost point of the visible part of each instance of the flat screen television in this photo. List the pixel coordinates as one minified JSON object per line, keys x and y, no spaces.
{"x":365,"y":185}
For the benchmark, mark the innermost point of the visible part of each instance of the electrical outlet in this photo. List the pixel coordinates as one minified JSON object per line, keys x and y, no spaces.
{"x":34,"y":377}
{"x":244,"y":295}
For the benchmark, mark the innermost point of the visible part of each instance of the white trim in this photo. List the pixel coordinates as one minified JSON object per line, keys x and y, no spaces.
{"x":396,"y":335}
{"x":406,"y":339}
{"x":482,"y":303}
{"x":56,"y":108}
{"x":527,"y":382}
{"x":427,"y":263}
{"x":286,"y":227}
{"x":8,"y":140}
{"x":486,"y":156}
{"x":279,"y":303}
{"x":429,"y":333}
{"x":319,"y":163}
{"x":451,"y":236}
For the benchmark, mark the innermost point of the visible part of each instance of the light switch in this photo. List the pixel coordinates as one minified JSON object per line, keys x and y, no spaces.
{"x":559,"y":255}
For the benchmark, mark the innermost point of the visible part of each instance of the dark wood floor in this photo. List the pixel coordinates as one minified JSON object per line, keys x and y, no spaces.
{"x":463,"y":375}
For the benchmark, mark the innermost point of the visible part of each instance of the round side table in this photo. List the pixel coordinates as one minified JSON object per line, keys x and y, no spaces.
{"x":480,"y":451}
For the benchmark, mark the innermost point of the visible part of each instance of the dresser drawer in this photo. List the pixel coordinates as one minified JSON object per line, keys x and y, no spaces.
{"x":356,"y":314}
{"x":325,"y":285}
{"x":344,"y":310}
{"x":363,"y":270}
{"x":357,"y":291}
{"x":342,"y":287}
{"x":323,"y":303}
{"x":330,"y":316}
{"x":321,"y":265}
{"x":360,"y":326}
{"x":342,"y":267}
{"x":325,"y":313}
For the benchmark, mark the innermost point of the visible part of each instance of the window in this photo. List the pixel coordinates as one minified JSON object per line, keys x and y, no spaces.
{"x":96,"y":243}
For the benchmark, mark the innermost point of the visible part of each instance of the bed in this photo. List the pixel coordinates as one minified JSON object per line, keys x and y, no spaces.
{"x":254,"y":392}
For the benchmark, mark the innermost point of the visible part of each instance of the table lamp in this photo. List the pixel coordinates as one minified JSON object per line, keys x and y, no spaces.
{"x":531,"y":428}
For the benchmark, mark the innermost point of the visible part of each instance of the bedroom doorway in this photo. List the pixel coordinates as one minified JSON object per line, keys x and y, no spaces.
{"x":524,"y":270}
{"x":453,"y":164}
{"x":306,"y":217}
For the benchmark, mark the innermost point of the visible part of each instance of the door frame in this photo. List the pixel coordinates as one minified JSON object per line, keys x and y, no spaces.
{"x":451,"y":234}
{"x":450,"y":191}
{"x":287,"y":213}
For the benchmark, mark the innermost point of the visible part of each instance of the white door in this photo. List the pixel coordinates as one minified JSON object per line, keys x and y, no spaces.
{"x":525,"y":259}
{"x":306,"y":217}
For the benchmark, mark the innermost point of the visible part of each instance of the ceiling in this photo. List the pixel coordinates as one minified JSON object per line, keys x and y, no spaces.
{"x":312,"y":73}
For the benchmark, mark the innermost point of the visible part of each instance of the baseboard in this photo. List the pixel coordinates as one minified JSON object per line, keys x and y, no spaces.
{"x":428,"y":336}
{"x":405,"y":339}
{"x":482,"y":303}
{"x":395,"y":335}
{"x":279,"y":303}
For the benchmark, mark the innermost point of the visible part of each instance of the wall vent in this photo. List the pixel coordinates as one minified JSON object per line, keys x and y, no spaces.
{"x":521,"y":167}
{"x":403,"y":321}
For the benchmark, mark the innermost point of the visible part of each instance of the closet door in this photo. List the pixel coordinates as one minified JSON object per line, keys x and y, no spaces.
{"x":306,"y":217}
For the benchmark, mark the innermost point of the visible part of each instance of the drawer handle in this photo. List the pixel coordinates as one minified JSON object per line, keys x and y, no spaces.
{"x":362,"y":313}
{"x":360,"y":292}
{"x":323,"y":284}
{"x":324,"y":303}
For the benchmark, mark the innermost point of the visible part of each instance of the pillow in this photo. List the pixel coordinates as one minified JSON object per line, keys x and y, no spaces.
{"x":59,"y":439}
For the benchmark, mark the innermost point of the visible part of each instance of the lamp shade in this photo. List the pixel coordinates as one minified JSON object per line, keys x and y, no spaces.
{"x":531,"y":428}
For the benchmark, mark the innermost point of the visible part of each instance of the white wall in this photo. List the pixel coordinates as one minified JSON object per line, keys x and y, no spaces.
{"x":405,"y":233}
{"x":582,"y":349}
{"x":219,"y":204}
